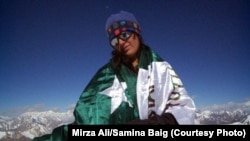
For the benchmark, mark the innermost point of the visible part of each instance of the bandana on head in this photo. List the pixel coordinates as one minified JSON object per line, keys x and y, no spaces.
{"x":123,"y":21}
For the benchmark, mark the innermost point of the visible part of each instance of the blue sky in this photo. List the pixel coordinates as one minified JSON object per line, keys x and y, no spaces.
{"x":50,"y":49}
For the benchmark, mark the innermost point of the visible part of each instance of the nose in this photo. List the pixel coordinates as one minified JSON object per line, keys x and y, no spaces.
{"x":121,"y":42}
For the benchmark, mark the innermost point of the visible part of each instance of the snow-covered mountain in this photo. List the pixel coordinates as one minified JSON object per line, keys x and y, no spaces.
{"x":229,"y":113}
{"x":32,"y":124}
{"x":224,"y":117}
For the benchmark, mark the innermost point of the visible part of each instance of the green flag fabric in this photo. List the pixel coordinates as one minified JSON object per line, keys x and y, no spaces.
{"x":116,"y":97}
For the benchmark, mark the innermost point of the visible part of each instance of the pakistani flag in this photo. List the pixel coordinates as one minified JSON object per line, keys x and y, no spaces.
{"x":117,"y":97}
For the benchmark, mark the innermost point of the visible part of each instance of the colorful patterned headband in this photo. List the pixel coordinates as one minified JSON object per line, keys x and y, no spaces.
{"x":120,"y":26}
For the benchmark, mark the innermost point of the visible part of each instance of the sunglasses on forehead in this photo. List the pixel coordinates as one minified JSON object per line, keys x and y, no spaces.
{"x":123,"y":36}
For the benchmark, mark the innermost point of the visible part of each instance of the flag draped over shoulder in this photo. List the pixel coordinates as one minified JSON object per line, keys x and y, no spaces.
{"x":110,"y":97}
{"x":116,"y":97}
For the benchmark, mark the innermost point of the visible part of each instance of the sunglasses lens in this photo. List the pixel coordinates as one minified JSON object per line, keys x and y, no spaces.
{"x":114,"y":42}
{"x":124,"y":36}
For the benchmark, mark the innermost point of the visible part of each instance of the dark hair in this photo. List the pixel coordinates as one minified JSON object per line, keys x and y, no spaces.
{"x":118,"y":58}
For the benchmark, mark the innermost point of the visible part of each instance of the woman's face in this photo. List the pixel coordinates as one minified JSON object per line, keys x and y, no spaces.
{"x":130,"y":46}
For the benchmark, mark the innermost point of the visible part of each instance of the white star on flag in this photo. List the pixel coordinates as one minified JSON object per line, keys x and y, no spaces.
{"x":117,"y":94}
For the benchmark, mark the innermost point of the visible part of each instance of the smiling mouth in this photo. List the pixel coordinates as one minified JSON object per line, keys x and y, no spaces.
{"x":125,"y":48}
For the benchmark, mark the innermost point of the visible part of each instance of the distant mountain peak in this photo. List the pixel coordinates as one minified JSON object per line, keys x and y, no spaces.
{"x":32,"y":124}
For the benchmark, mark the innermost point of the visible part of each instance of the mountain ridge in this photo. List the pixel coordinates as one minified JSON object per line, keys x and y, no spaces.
{"x":32,"y":124}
